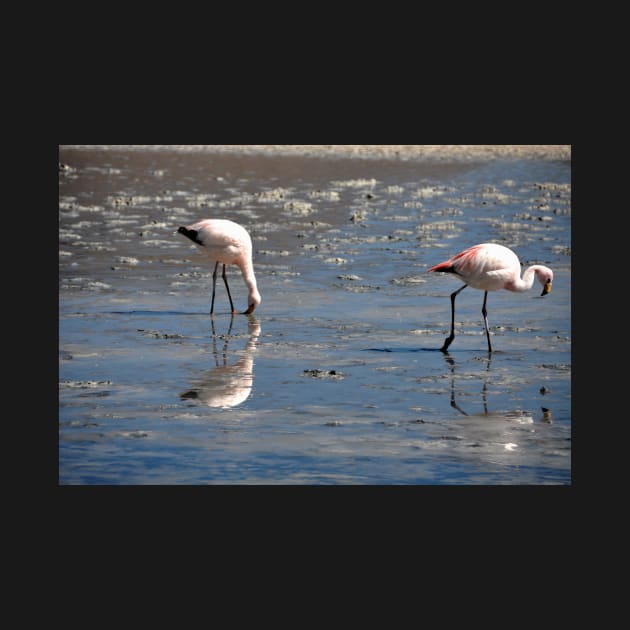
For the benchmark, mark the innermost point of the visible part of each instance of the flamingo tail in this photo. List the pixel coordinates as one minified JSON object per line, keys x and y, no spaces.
{"x":446,"y":266}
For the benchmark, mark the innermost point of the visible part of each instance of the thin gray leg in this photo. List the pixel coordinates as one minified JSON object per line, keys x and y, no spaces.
{"x":449,"y":339}
{"x":228,"y":290}
{"x":484,"y":312}
{"x":214,"y":286}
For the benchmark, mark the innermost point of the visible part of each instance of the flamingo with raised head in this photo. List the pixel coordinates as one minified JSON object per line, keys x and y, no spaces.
{"x":227,"y":243}
{"x":490,"y":267}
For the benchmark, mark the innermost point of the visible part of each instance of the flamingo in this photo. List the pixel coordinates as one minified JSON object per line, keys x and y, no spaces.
{"x":227,"y":243}
{"x":490,"y":267}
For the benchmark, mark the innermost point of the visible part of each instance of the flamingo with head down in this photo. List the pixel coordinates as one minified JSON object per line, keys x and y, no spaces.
{"x":227,"y":243}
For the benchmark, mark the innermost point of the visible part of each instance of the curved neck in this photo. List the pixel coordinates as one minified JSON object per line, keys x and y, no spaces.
{"x":247,"y":270}
{"x":527,"y":281}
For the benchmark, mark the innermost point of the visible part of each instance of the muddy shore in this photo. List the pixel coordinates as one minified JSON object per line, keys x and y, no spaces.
{"x":439,"y":152}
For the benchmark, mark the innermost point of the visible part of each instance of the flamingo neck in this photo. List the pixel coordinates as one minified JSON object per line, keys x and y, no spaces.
{"x":247,"y":270}
{"x":526,"y":282}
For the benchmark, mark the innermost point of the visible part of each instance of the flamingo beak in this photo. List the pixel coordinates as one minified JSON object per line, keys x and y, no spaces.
{"x":250,"y":309}
{"x":546,"y":288}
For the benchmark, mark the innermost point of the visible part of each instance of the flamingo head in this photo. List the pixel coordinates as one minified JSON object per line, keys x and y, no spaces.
{"x":545,"y":277}
{"x":253,"y":301}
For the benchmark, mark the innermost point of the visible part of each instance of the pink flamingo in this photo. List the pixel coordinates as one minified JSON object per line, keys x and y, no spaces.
{"x":490,"y":267}
{"x":228,"y":243}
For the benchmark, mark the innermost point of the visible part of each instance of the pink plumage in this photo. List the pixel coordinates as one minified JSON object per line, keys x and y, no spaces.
{"x":228,"y":243}
{"x":490,"y":267}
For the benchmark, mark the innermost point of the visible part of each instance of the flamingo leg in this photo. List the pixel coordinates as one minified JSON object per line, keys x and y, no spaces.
{"x":228,"y":289}
{"x":214,"y":286}
{"x":484,"y":312}
{"x":449,"y":339}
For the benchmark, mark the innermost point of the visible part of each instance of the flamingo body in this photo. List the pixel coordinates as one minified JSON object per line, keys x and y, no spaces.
{"x":228,"y":243}
{"x":490,"y":267}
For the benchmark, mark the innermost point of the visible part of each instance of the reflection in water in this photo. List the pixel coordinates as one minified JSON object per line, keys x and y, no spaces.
{"x":504,"y":438}
{"x":521,"y":417}
{"x":227,"y":385}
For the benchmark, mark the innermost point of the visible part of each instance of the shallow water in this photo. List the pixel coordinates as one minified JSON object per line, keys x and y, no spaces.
{"x":337,"y":378}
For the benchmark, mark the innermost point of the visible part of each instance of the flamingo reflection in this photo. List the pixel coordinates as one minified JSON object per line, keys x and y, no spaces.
{"x":225,"y":385}
{"x":521,"y":417}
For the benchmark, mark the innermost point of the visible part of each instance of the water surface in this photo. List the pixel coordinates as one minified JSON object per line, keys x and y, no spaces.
{"x":337,"y":378}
